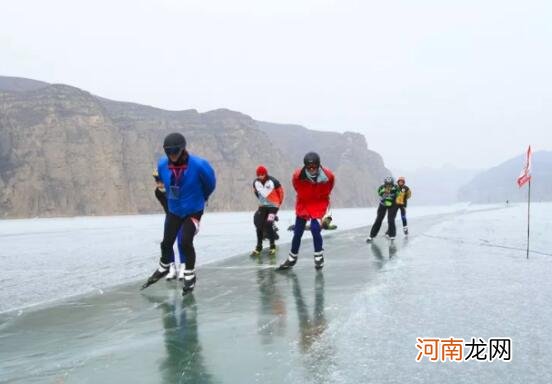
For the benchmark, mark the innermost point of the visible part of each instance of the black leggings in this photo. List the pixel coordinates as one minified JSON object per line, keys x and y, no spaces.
{"x":189,"y":230}
{"x":263,"y":224}
{"x":391,"y":213}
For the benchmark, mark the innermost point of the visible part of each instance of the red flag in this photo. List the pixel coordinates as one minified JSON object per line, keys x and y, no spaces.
{"x":525,"y":175}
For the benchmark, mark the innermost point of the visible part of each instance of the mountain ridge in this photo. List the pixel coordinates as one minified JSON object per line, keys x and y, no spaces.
{"x":66,"y":152}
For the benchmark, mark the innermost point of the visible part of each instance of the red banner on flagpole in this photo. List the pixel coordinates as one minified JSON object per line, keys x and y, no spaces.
{"x":525,"y":175}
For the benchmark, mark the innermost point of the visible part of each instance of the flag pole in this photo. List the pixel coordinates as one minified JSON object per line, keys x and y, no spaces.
{"x":528,"y":215}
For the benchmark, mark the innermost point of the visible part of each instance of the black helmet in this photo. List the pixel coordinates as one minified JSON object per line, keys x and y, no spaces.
{"x":311,"y":158}
{"x":174,"y":143}
{"x":388,"y":180}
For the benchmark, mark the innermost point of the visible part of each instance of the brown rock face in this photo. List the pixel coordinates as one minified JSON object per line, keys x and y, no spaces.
{"x":66,"y":152}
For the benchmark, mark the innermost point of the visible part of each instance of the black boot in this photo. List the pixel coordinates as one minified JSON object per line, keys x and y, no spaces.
{"x":289,"y":262}
{"x":189,"y":282}
{"x":156,"y":276}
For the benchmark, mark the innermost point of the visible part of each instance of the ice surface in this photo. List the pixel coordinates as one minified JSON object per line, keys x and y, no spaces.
{"x":465,"y":277}
{"x":47,"y":259}
{"x":462,"y":274}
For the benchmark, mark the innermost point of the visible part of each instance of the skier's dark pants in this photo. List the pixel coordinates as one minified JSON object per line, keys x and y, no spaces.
{"x":298,"y":233}
{"x":189,"y":229}
{"x":264,"y":223}
{"x":403,"y":215}
{"x":391,"y":213}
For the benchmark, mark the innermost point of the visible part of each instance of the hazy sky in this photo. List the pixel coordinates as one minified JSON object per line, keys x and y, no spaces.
{"x":427,"y":82}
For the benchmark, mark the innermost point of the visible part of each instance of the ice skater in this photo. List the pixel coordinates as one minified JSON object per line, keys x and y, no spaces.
{"x":161,"y":195}
{"x":270,"y":194}
{"x":189,"y":181}
{"x":388,"y":194}
{"x":313,"y":184}
{"x":404,"y":194}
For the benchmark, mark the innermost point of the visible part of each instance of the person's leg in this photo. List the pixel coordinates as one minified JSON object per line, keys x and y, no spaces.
{"x":172,"y":226}
{"x":173,"y":272}
{"x":379,"y":219}
{"x":391,"y":214}
{"x":181,"y":253}
{"x":164,"y":225}
{"x":190,"y":228}
{"x":269,"y":227}
{"x":297,"y":235}
{"x":403,"y":216}
{"x":258,"y":220}
{"x":404,"y":221}
{"x":295,"y":244}
{"x":316,"y":230}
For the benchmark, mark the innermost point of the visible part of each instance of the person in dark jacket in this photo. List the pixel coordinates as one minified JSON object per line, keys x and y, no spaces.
{"x":270,"y":194}
{"x":189,"y":181}
{"x":388,"y":194}
{"x":313,"y":184}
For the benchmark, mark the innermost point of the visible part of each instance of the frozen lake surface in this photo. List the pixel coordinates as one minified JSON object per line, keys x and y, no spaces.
{"x":462,"y":273}
{"x":48,"y":259}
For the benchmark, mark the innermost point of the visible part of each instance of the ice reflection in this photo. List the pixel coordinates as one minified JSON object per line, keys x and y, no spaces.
{"x":272,"y":310}
{"x":310,"y":327}
{"x":184,"y":362}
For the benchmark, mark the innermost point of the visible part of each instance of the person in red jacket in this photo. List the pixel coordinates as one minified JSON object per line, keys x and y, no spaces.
{"x":313,"y":184}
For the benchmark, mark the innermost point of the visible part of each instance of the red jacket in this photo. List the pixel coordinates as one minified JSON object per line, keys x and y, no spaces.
{"x":313,"y":198}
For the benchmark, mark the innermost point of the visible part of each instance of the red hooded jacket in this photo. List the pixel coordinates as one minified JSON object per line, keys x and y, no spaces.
{"x":313,"y":198}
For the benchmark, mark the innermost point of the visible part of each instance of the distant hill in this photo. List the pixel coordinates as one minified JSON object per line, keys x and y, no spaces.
{"x":64,"y":152}
{"x":18,"y":84}
{"x":437,"y":186}
{"x":498,"y":184}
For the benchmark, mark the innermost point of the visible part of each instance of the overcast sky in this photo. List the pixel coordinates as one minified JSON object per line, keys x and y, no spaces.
{"x":427,"y":82}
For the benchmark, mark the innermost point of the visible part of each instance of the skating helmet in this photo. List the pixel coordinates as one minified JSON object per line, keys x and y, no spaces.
{"x":311,"y":159}
{"x":174,"y":143}
{"x":388,"y":180}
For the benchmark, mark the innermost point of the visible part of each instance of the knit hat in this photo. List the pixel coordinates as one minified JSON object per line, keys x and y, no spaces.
{"x":261,"y":170}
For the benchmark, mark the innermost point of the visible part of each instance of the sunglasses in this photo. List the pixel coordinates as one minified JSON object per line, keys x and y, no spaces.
{"x":312,"y":167}
{"x":172,"y":150}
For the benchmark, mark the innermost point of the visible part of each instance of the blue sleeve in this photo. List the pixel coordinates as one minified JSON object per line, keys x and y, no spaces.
{"x":162,"y":161}
{"x":208,"y":179}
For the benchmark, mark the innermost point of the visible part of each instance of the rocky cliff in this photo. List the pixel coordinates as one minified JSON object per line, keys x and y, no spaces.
{"x":358,"y":170}
{"x":64,"y":151}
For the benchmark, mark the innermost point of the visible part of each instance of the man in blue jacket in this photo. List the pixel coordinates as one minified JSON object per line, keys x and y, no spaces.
{"x":189,"y":181}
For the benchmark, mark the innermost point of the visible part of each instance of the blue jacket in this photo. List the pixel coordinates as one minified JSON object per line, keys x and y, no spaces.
{"x":189,"y":193}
